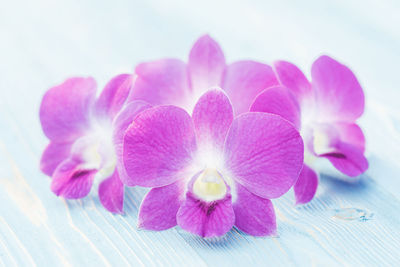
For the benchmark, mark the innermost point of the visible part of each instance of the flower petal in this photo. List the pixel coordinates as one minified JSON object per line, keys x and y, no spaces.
{"x":264,"y":153}
{"x":120,"y":125}
{"x":71,"y":180}
{"x":53,"y":155}
{"x":212,"y":117}
{"x":292,"y":78}
{"x":254,"y":215}
{"x":160,"y":206}
{"x":65,"y":109}
{"x":352,"y":134}
{"x":206,"y":64}
{"x":244,"y":80}
{"x":114,"y":95}
{"x":161,"y":82}
{"x":348,"y":159}
{"x":339,"y":95}
{"x":306,"y":186}
{"x":158,"y":146}
{"x":280,"y":101}
{"x":111,"y":193}
{"x":206,"y":219}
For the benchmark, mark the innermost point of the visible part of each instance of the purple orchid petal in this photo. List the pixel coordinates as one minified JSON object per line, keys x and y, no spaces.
{"x":158,"y":146}
{"x":348,"y":159}
{"x":306,"y":186}
{"x":161,"y":82}
{"x":351,"y":133}
{"x":278,"y":100}
{"x":264,"y":153}
{"x":254,"y":215}
{"x":111,"y":193}
{"x":160,"y":206}
{"x":206,"y":64}
{"x":206,"y":219}
{"x":292,"y":78}
{"x":113,"y":96}
{"x":120,"y":125}
{"x":244,"y":80}
{"x":339,"y":95}
{"x":53,"y":155}
{"x":72,"y":180}
{"x":212,"y":117}
{"x":65,"y":108}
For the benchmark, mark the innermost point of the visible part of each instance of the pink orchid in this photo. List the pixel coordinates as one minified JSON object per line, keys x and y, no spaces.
{"x":211,"y":171}
{"x":325,"y":112}
{"x":173,"y":82}
{"x":86,"y":136}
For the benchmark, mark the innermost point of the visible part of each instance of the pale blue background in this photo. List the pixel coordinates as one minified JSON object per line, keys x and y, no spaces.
{"x":43,"y":42}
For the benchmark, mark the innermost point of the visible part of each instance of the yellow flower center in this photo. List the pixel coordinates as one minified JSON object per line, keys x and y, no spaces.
{"x":210,"y":185}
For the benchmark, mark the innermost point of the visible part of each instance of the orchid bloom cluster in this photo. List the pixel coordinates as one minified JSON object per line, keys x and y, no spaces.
{"x":213,"y":142}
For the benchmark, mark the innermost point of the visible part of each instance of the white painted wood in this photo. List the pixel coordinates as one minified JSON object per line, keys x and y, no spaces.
{"x":43,"y":42}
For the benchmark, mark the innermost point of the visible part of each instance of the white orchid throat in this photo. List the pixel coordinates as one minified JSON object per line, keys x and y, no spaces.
{"x":213,"y":182}
{"x":96,"y":150}
{"x":318,"y":141}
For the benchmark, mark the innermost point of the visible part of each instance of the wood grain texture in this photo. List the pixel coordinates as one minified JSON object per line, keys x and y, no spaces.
{"x":46,"y":42}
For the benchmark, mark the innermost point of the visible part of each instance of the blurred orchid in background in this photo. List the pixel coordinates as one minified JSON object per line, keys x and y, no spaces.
{"x":85,"y":136}
{"x":325,"y":112}
{"x":172,"y":81}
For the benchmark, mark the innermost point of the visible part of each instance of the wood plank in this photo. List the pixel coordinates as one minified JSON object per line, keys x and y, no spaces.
{"x":348,"y":223}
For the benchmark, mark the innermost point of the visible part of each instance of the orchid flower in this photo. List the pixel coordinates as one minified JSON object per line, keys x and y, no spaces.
{"x":209,"y":171}
{"x":173,"y":82}
{"x":325,"y":112}
{"x":85,"y":137}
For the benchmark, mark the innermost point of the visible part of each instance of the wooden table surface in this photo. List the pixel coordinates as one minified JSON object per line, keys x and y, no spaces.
{"x":43,"y":42}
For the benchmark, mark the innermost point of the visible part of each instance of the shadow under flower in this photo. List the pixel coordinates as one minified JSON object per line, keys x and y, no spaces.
{"x":345,"y":186}
{"x":234,"y":239}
